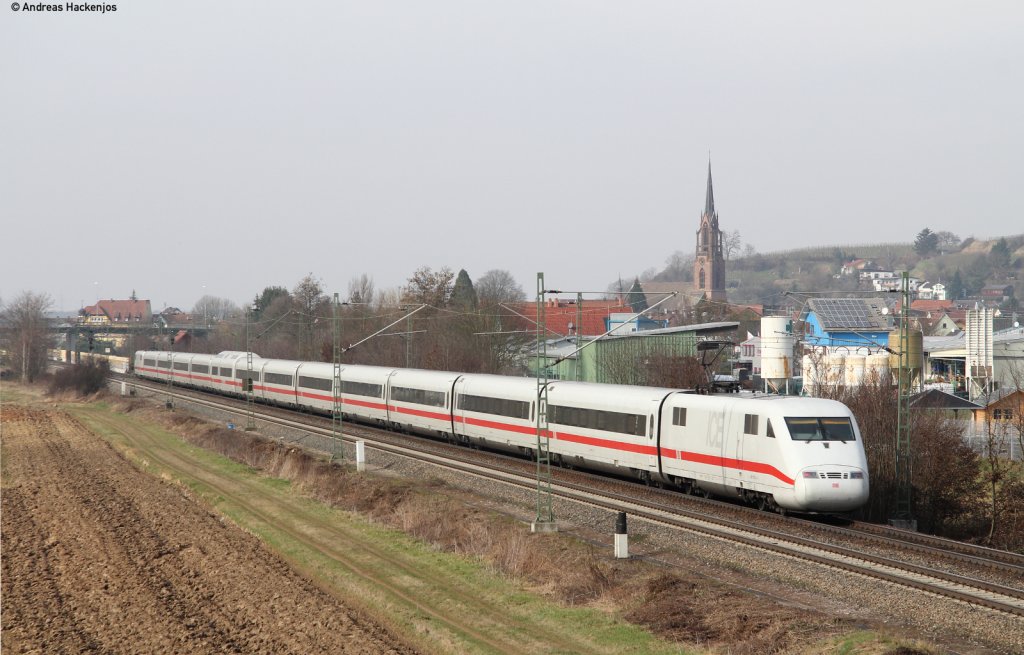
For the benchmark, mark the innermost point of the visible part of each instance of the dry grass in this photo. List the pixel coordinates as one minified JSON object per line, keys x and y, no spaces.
{"x":693,"y":612}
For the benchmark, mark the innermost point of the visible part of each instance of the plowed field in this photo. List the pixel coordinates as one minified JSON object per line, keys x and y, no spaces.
{"x":100,"y":557}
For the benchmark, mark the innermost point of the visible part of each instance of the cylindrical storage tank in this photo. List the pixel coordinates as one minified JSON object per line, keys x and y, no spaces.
{"x":836,"y":371}
{"x":853,"y":370}
{"x":776,"y":348}
{"x":914,"y":350}
{"x":876,"y":370}
{"x":810,"y":374}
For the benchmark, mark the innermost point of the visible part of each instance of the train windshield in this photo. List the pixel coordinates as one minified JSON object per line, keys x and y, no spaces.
{"x":820,"y":429}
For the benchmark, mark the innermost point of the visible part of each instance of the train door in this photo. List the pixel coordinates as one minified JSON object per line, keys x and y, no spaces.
{"x":457,"y":414}
{"x":741,"y":437}
{"x":391,"y":415}
{"x":660,"y":421}
{"x":717,"y":441}
{"x":653,"y":460}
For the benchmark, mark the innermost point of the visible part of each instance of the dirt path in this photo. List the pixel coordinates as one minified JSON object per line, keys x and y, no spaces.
{"x":100,"y":557}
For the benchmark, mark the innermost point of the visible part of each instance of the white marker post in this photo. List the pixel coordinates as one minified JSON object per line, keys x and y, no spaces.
{"x":621,"y":537}
{"x":360,"y":455}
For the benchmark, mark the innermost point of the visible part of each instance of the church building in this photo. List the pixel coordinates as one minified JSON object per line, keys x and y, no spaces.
{"x":709,"y":266}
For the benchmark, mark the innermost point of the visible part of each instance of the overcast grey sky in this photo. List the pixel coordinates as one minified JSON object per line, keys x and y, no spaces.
{"x":181,"y":147}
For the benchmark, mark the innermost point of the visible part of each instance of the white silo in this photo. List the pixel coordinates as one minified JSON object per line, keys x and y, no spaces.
{"x":815,"y":372}
{"x":835,"y":371}
{"x":853,"y":370}
{"x":876,"y":370}
{"x":776,"y":351}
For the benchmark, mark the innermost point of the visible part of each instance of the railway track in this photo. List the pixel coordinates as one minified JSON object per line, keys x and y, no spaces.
{"x":824,"y":544}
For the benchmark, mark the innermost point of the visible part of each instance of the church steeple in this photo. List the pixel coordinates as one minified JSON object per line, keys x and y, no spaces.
{"x":709,"y":265}
{"x":709,"y":202}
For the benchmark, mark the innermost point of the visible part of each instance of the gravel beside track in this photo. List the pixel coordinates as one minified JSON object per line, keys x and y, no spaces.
{"x":964,"y":628}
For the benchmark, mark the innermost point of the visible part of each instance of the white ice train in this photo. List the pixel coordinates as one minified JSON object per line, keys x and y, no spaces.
{"x":798,"y":454}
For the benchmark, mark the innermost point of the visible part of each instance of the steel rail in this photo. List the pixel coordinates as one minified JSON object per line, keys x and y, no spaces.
{"x":977,"y":592}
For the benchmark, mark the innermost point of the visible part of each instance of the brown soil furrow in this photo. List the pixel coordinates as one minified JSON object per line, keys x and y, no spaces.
{"x":99,"y":557}
{"x":464,"y":610}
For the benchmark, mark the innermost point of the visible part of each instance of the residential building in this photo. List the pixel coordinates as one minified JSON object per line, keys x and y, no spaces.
{"x":890,"y":284}
{"x":997,"y":292}
{"x":748,"y":356}
{"x":116,"y":312}
{"x":849,"y":322}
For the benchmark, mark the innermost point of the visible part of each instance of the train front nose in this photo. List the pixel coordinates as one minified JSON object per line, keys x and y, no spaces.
{"x":832,"y":488}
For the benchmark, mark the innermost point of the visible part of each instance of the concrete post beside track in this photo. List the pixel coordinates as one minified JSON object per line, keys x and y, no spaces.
{"x":360,"y":455}
{"x":621,"y":537}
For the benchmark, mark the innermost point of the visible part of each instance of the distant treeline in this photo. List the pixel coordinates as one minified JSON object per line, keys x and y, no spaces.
{"x":860,"y":251}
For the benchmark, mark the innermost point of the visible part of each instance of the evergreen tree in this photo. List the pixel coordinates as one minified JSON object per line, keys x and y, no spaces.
{"x":955,"y":288}
{"x":637,"y":300}
{"x":268,"y":296}
{"x":926,"y":243}
{"x":463,"y":294}
{"x":1001,"y":254}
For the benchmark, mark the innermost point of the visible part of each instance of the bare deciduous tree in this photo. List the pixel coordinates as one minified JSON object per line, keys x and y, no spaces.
{"x":24,"y":333}
{"x":498,"y":286}
{"x":309,"y":299}
{"x":1015,"y":381}
{"x":944,"y":469}
{"x":430,"y":288}
{"x":947,"y":241}
{"x":361,"y":290}
{"x":731,"y":243}
{"x":995,"y":451}
{"x":212,"y":308}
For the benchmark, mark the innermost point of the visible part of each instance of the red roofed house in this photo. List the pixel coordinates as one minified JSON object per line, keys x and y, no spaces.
{"x":116,"y":312}
{"x":931,"y":305}
{"x":944,"y":323}
{"x":855,"y":266}
{"x":560,"y":316}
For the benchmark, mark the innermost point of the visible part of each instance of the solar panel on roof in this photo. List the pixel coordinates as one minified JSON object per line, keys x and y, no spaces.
{"x":851,"y":313}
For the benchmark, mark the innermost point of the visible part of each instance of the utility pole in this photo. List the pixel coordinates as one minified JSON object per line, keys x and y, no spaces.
{"x":545,"y":521}
{"x":904,"y":512}
{"x":250,"y":417}
{"x":336,"y":414}
{"x":408,"y":333}
{"x":170,"y":372}
{"x":579,"y":325}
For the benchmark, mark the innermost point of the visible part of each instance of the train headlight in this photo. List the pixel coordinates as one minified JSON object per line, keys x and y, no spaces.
{"x":857,"y":475}
{"x":810,"y":475}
